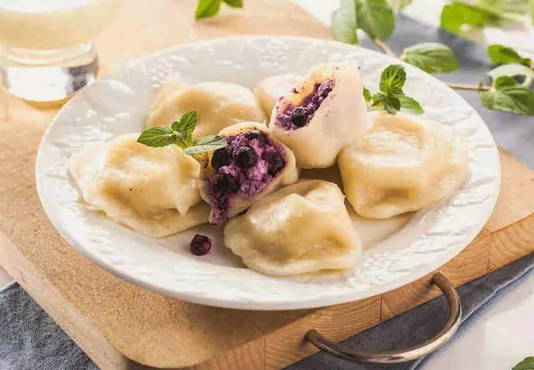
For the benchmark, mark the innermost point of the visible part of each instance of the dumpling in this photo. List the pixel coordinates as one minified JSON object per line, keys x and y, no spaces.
{"x":218,"y":104}
{"x":301,"y":228}
{"x":401,"y":165}
{"x":270,"y":89}
{"x":250,"y":167}
{"x":322,"y":115}
{"x":154,"y":191}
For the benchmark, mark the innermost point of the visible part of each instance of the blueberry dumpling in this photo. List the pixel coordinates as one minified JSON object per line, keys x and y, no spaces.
{"x":218,"y":104}
{"x":321,"y":115}
{"x":401,"y":165}
{"x":271,"y":89}
{"x":250,"y":167}
{"x":155,"y":191}
{"x":301,"y":228}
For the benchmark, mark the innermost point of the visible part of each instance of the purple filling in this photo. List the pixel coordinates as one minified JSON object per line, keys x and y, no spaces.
{"x":295,"y":117}
{"x":235,"y":176}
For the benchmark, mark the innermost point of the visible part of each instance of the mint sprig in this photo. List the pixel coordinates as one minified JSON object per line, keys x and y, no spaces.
{"x":180,"y":133}
{"x":391,"y":97}
{"x":508,"y":95}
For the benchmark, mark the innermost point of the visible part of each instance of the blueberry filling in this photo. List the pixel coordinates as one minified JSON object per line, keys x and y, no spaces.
{"x":243,"y":168}
{"x":200,"y":245}
{"x":295,"y":117}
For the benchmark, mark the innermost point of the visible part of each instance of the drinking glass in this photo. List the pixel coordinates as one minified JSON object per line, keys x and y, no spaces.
{"x":47,"y":52}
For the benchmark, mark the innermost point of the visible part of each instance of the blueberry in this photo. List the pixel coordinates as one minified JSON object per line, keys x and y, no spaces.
{"x":299,"y":117}
{"x":256,"y":134}
{"x":200,"y":245}
{"x":245,"y":157}
{"x":225,"y":184}
{"x":221,"y":157}
{"x":276,"y":163}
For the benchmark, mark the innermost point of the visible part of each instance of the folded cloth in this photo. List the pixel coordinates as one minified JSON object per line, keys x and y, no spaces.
{"x":418,"y":324}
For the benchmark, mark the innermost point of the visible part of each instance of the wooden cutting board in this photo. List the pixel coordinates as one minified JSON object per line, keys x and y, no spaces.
{"x":120,"y":325}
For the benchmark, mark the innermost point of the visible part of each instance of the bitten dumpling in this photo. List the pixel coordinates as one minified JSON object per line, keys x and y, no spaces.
{"x":218,"y":104}
{"x":401,"y":165}
{"x":250,"y":167}
{"x":301,"y":228}
{"x":154,"y":191}
{"x":270,"y":89}
{"x":322,"y":115}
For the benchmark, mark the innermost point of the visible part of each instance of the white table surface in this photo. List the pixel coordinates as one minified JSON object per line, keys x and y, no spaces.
{"x":503,"y":334}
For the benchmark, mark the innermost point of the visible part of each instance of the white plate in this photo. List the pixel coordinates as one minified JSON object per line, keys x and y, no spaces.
{"x":397,"y":251}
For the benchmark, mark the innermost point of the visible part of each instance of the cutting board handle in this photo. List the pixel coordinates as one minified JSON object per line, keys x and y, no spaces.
{"x":404,"y":355}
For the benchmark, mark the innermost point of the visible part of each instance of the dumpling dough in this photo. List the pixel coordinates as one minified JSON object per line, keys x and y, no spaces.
{"x":401,"y":165}
{"x":229,"y":186}
{"x":154,"y":191}
{"x":322,"y":115}
{"x":300,"y":228}
{"x":270,"y":89}
{"x":218,"y":104}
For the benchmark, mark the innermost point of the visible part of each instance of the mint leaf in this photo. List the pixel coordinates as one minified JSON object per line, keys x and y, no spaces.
{"x":500,"y":54}
{"x":185,"y":126}
{"x":207,"y":8}
{"x":375,"y":17}
{"x":366,"y":95}
{"x":234,"y":3}
{"x":344,"y":22}
{"x":431,"y":57}
{"x":206,"y":144}
{"x":392,"y":78}
{"x":526,"y":364}
{"x":157,"y":136}
{"x":508,"y":95}
{"x":513,"y":70}
{"x":455,"y":15}
{"x":410,"y":104}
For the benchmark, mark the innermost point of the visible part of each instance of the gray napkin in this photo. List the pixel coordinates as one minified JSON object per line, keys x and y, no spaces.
{"x":29,"y":339}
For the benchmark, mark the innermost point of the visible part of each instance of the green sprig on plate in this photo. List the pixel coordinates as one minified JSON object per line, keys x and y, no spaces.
{"x":180,"y":133}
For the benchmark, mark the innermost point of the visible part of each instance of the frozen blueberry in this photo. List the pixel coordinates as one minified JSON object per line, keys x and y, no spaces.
{"x":256,"y":134}
{"x":225,"y":184}
{"x":200,"y":245}
{"x":276,"y":163}
{"x":221,"y":157}
{"x":299,"y":117}
{"x":245,"y":157}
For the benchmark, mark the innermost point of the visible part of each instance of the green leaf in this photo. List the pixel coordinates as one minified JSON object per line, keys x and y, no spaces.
{"x":344,"y":22}
{"x":526,"y":364}
{"x":500,"y":54}
{"x":506,"y":6}
{"x":207,"y":8}
{"x":185,"y":126}
{"x":431,"y":57}
{"x":234,"y":3}
{"x":206,"y":144}
{"x":392,"y":78}
{"x":455,"y":15}
{"x":410,"y":104}
{"x":391,"y":104}
{"x":366,"y":94}
{"x":157,"y":136}
{"x":513,"y":70}
{"x":375,"y":17}
{"x":508,"y":95}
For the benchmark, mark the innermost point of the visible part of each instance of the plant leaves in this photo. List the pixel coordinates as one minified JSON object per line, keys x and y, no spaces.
{"x":410,"y":104}
{"x":186,"y":125}
{"x":392,"y":79}
{"x":508,"y":95}
{"x":513,"y":70}
{"x":366,"y":94}
{"x":526,"y":364}
{"x":234,"y":3}
{"x":455,"y":15}
{"x":500,"y":54}
{"x":344,"y":22}
{"x":431,"y":57}
{"x":206,"y":144}
{"x":157,"y":136}
{"x":207,"y":8}
{"x":375,"y":17}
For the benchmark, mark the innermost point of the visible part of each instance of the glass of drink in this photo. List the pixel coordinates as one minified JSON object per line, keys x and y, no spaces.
{"x":47,"y":52}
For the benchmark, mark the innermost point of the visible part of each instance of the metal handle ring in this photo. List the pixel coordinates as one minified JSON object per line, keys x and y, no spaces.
{"x":404,"y":355}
